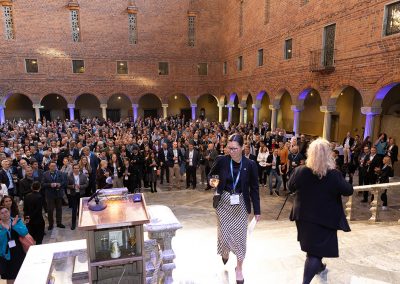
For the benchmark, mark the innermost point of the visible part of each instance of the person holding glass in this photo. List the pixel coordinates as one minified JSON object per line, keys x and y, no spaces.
{"x":236,"y":180}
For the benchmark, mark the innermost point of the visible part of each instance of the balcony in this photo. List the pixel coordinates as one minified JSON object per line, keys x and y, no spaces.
{"x":322,"y":60}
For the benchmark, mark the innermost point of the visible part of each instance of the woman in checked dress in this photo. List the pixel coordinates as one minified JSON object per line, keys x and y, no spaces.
{"x":238,"y":187}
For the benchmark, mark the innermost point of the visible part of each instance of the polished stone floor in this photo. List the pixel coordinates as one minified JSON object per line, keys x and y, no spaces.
{"x":368,"y":254}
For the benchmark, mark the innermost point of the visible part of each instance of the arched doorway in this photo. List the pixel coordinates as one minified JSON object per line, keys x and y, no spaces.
{"x":179,"y":104}
{"x":234,"y":102}
{"x":119,"y":106}
{"x":348,"y":117}
{"x":54,"y":107}
{"x":285,"y":113}
{"x":19,"y":106}
{"x":207,"y":107}
{"x":248,"y":111}
{"x":264,"y":112}
{"x":150,"y":106}
{"x":390,"y":117}
{"x":311,"y":118}
{"x":88,"y":106}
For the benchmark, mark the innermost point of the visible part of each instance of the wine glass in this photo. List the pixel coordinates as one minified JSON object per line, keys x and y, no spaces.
{"x":214,"y":181}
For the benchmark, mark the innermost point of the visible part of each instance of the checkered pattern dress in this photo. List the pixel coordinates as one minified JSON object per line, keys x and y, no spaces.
{"x":232,"y":227}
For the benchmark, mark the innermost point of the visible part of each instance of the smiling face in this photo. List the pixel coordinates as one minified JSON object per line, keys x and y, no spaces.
{"x":4,"y":214}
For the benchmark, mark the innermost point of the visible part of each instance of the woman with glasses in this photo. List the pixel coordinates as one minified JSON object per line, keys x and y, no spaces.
{"x":238,"y":189}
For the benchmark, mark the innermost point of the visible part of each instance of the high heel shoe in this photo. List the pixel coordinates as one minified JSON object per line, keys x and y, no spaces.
{"x":225,"y":260}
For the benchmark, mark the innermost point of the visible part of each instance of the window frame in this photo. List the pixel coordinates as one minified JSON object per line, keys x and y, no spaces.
{"x":118,"y":64}
{"x":260,"y":50}
{"x":239,"y":63}
{"x":198,"y":68}
{"x":26,"y":65}
{"x":159,"y":69}
{"x":285,"y":49}
{"x":224,"y":68}
{"x":385,"y":19}
{"x":84,"y":66}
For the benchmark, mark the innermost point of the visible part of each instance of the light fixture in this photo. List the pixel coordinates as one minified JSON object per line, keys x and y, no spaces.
{"x":121,"y":64}
{"x":175,"y":97}
{"x":119,"y":97}
{"x":341,"y":94}
{"x":58,"y":97}
{"x":34,"y":62}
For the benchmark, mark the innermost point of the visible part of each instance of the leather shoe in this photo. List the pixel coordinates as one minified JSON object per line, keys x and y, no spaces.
{"x":240,"y":281}
{"x":72,"y":227}
{"x":61,"y":226}
{"x":323,"y":267}
{"x":49,"y":228}
{"x":225,"y":260}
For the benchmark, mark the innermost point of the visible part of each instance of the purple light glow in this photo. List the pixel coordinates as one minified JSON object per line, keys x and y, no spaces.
{"x":304,"y":93}
{"x":193,"y":112}
{"x":71,"y":113}
{"x":232,"y":98}
{"x":260,"y":95}
{"x":381,"y":94}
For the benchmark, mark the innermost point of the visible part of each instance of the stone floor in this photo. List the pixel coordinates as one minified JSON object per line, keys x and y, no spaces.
{"x":368,"y":254}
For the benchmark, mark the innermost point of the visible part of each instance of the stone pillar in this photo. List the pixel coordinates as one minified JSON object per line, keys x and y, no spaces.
{"x":296,"y":118}
{"x":274,"y":116}
{"x":327,"y":110}
{"x":71,"y":108}
{"x":37,"y":111}
{"x":104,"y":111}
{"x":135,"y":111}
{"x":241,"y":115}
{"x":230,"y":107}
{"x":256,"y":109}
{"x":2,"y":115}
{"x":370,"y":113}
{"x":220,"y":112}
{"x":193,"y":106}
{"x":165,"y":109}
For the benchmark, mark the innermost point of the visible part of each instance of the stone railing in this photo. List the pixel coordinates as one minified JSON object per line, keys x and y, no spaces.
{"x":376,"y":190}
{"x":161,"y":229}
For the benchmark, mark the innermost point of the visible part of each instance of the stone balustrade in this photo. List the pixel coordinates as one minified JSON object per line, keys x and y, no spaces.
{"x":162,"y":228}
{"x":376,"y":190}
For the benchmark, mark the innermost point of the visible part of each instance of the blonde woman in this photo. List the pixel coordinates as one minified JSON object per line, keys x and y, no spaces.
{"x":317,"y":207}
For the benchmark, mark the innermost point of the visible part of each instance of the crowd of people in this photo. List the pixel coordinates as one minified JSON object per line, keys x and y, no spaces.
{"x":46,"y":165}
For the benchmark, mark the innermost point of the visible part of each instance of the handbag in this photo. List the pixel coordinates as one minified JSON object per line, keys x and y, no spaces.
{"x":216,"y":199}
{"x":26,"y":242}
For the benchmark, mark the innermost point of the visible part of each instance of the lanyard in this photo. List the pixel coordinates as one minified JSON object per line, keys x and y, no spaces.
{"x":9,"y":230}
{"x":235,"y":182}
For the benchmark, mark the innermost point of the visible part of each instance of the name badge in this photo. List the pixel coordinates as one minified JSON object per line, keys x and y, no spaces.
{"x":11,"y":244}
{"x":235,"y":199}
{"x":126,"y":177}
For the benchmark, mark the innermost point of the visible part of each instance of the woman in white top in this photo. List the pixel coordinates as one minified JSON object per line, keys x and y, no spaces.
{"x":262,"y":162}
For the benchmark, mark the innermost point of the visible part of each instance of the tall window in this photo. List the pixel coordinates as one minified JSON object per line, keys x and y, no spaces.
{"x":8,"y":23}
{"x":392,"y":19}
{"x":240,"y":63}
{"x":267,"y":7}
{"x":260,"y":57}
{"x":329,"y":45}
{"x":202,"y":68}
{"x":122,"y":67}
{"x":133,"y":33}
{"x":304,"y":2}
{"x":241,"y":19}
{"x":76,"y":33}
{"x":192,"y":31}
{"x":163,"y":68}
{"x":31,"y":66}
{"x":225,"y":68}
{"x":288,"y":49}
{"x":78,"y":66}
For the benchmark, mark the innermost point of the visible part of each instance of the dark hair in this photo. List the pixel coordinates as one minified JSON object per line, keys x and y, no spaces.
{"x":36,"y":186}
{"x":14,"y":207}
{"x":236,"y":138}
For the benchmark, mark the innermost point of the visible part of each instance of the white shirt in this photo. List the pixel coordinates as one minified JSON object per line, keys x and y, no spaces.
{"x":191,"y":158}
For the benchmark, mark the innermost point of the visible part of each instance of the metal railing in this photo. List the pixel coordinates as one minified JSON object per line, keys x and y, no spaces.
{"x":376,"y":190}
{"x":322,"y":60}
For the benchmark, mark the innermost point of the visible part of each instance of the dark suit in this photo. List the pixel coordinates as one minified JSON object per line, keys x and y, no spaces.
{"x":8,"y":181}
{"x":167,"y":162}
{"x":25,"y":187}
{"x":318,"y":210}
{"x":371,"y":176}
{"x":33,"y":204}
{"x":274,"y":172}
{"x":191,"y":169}
{"x":54,"y":195}
{"x":248,"y":180}
{"x":76,"y":194}
{"x":94,"y":164}
{"x":393,"y":153}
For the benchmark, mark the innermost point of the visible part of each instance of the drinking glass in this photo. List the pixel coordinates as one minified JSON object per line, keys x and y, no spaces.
{"x":214,"y":181}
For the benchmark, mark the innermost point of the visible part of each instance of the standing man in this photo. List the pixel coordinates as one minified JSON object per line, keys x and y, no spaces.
{"x":165,"y":156}
{"x":77,"y":184}
{"x":175,"y":170}
{"x":54,"y":183}
{"x":192,"y":162}
{"x":6,"y":176}
{"x":94,"y":164}
{"x":33,"y":216}
{"x":212,"y":154}
{"x":348,"y":142}
{"x":274,"y":170}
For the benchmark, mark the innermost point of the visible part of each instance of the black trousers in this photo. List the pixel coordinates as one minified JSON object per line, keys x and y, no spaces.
{"x":36,"y":230}
{"x":75,"y":207}
{"x":43,"y":193}
{"x":191,"y":176}
{"x":57,"y":204}
{"x":164,"y":170}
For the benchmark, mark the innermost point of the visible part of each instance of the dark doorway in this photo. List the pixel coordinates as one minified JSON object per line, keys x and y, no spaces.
{"x":150,"y":113}
{"x":186,"y":113}
{"x":45,"y":113}
{"x":114,"y":115}
{"x":76,"y":113}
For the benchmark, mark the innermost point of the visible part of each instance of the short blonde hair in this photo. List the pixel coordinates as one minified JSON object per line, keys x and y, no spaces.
{"x":319,"y":157}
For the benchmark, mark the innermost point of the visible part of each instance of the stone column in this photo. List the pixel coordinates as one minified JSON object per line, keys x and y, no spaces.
{"x":2,"y":115}
{"x":165,"y":109}
{"x":327,"y":110}
{"x":71,"y":108}
{"x":220,"y":112}
{"x":274,"y":116}
{"x":37,"y":111}
{"x":193,"y":106}
{"x":135,"y":111}
{"x":370,"y":113}
{"x":256,"y":109}
{"x":241,"y":115}
{"x":296,"y":118}
{"x":104,"y":111}
{"x":230,"y":107}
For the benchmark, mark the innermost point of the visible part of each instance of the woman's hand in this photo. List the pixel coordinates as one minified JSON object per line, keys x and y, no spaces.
{"x":15,"y":220}
{"x":257,"y":217}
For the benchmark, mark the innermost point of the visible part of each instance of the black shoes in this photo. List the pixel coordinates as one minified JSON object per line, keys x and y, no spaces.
{"x":72,"y":228}
{"x":225,"y":260}
{"x":323,"y":267}
{"x":50,"y":227}
{"x":61,"y":226}
{"x":277,"y":192}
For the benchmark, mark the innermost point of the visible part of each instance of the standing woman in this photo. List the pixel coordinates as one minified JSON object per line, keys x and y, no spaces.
{"x":11,"y":253}
{"x":127,"y":174}
{"x":238,"y":188}
{"x":317,"y":207}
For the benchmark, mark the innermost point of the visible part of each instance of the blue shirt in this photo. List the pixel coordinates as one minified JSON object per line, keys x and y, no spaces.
{"x":20,"y":228}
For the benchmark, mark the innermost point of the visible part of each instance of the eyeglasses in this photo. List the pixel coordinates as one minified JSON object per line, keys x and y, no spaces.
{"x":234,"y":149}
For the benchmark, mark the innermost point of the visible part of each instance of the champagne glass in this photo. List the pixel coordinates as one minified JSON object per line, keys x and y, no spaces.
{"x":214,"y":181}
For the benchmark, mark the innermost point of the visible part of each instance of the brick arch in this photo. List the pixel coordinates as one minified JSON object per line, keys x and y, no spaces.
{"x":279,"y":94}
{"x":205,"y":94}
{"x":302,"y":95}
{"x":100,"y":99}
{"x":119,"y":94}
{"x":179,"y":93}
{"x":259,"y":97}
{"x":10,"y":93}
{"x":338,"y":89}
{"x":381,"y":93}
{"x":231,"y":98}
{"x":52,"y":93}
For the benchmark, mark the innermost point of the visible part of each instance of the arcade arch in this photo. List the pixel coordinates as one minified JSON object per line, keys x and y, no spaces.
{"x":53,"y":106}
{"x":150,"y":106}
{"x":207,"y":107}
{"x":87,"y":105}
{"x":19,"y":106}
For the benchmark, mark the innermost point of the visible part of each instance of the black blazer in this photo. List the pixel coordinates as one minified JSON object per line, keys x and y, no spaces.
{"x":385,"y":173}
{"x":393,"y":153}
{"x":195,"y":160}
{"x":248,"y":180}
{"x":318,"y":200}
{"x":351,"y":141}
{"x":170,"y":157}
{"x":278,"y":163}
{"x":33,"y":204}
{"x":54,"y":192}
